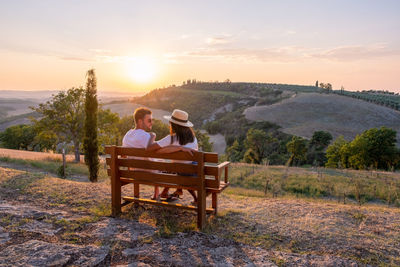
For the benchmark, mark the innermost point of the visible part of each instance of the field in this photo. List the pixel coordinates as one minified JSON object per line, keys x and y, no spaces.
{"x":41,"y":214}
{"x":339,"y":115}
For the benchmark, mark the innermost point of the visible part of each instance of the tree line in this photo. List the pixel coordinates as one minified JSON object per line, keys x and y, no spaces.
{"x":61,"y":121}
{"x":373,"y":149}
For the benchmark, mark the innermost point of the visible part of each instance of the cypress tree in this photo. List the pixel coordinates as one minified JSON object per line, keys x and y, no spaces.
{"x":90,"y":142}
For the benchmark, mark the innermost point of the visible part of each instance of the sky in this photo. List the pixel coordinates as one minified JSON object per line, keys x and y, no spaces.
{"x":136,"y":46}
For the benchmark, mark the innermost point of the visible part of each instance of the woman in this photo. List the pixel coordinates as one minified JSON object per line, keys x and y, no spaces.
{"x":181,"y":135}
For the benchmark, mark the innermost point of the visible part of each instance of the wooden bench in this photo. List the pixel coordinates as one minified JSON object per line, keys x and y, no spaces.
{"x":199,"y":172}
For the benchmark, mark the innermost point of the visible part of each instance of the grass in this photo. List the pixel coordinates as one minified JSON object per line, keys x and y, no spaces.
{"x":52,"y":165}
{"x":360,"y":186}
{"x":168,"y":221}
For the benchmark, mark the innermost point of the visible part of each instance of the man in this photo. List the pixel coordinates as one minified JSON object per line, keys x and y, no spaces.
{"x":141,"y":137}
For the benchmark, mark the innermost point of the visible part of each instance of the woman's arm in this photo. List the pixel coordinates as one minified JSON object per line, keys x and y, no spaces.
{"x":172,"y":149}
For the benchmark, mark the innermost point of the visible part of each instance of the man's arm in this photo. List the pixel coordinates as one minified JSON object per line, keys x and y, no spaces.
{"x":152,"y":145}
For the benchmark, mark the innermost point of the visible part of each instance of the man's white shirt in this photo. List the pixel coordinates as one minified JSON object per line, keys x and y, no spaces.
{"x":136,"y":138}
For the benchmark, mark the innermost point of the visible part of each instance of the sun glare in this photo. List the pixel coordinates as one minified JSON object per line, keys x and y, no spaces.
{"x":141,"y":70}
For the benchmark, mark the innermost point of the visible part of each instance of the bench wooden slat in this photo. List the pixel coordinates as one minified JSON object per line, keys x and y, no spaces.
{"x":160,"y":177}
{"x":164,"y":203}
{"x":210,"y":157}
{"x":221,"y":188}
{"x":210,"y":181}
{"x":125,"y":181}
{"x":140,"y":152}
{"x":166,"y":166}
{"x":173,"y":167}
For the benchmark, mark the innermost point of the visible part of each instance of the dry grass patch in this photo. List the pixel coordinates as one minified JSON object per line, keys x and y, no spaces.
{"x":369,"y":234}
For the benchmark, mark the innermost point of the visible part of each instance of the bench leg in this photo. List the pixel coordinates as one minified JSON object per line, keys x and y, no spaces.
{"x":201,"y":209}
{"x":115,"y":197}
{"x":136,"y":194}
{"x":136,"y":190}
{"x":214,"y":198}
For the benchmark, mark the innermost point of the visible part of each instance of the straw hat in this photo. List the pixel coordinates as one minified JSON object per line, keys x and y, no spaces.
{"x":179,"y":117}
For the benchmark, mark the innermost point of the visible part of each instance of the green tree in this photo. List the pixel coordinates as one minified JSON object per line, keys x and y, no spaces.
{"x":255,"y":144}
{"x":45,"y":140}
{"x":316,"y":149}
{"x":203,"y":140}
{"x":334,"y":153}
{"x":160,"y":129}
{"x":63,"y":115}
{"x":18,"y":137}
{"x":320,"y":140}
{"x":235,"y":152}
{"x":297,"y":147}
{"x":108,"y":133}
{"x":251,"y":156}
{"x":374,"y":148}
{"x":90,"y":142}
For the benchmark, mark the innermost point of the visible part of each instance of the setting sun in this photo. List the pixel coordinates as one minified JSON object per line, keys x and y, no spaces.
{"x":141,"y":69}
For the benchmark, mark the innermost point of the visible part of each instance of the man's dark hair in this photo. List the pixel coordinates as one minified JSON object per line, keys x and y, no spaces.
{"x":183,"y":134}
{"x":140,"y":113}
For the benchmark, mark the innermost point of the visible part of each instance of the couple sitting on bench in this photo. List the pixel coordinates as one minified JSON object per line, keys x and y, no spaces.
{"x":181,"y":138}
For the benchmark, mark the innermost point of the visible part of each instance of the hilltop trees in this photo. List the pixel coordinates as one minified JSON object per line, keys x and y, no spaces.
{"x":326,"y":86}
{"x":90,"y":142}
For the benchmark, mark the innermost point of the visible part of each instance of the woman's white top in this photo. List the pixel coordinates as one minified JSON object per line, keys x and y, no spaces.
{"x":166,"y":141}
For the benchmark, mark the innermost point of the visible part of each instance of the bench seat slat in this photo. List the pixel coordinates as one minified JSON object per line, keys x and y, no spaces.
{"x":221,"y":188}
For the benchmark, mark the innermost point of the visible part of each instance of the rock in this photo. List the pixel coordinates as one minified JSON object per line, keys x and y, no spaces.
{"x":24,"y":211}
{"x":4,"y":236}
{"x":127,"y":231}
{"x":40,"y":228}
{"x":192,"y":249}
{"x":39,"y":253}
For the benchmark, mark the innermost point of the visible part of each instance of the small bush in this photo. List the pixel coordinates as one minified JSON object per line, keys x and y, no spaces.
{"x":61,"y":173}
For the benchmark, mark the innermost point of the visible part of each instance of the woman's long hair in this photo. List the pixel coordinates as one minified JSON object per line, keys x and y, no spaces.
{"x":183,"y":134}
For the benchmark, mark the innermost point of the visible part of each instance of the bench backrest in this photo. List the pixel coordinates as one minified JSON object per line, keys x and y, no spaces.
{"x":179,"y":168}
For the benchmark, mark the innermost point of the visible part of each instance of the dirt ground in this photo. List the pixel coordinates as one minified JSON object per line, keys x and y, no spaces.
{"x":42,"y":215}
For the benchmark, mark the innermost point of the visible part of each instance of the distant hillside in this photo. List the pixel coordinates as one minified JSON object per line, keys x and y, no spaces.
{"x":383,"y":98}
{"x":339,"y":115}
{"x":205,"y":100}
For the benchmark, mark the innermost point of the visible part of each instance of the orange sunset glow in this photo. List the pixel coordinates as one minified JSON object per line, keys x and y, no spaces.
{"x":47,"y":45}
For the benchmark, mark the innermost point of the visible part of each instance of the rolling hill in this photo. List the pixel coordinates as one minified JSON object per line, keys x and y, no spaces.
{"x":308,"y":112}
{"x":298,"y":110}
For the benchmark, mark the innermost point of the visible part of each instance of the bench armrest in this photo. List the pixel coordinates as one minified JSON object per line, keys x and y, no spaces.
{"x":224,"y":166}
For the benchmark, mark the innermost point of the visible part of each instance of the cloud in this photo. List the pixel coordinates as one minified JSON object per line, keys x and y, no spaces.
{"x":356,"y":52}
{"x":278,"y":54}
{"x":36,"y":50}
{"x":72,"y":58}
{"x":286,"y":54}
{"x":219,"y":40}
{"x":289,"y":32}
